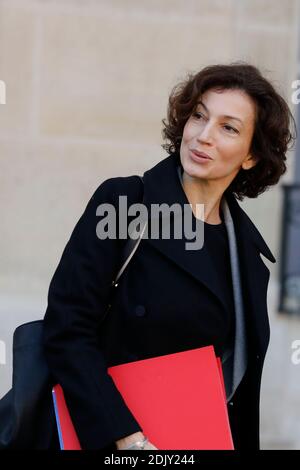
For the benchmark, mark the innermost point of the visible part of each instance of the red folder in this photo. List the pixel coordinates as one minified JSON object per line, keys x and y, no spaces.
{"x":178,"y":399}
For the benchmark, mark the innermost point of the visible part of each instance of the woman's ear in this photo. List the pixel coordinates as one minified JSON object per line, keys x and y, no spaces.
{"x":249,"y":162}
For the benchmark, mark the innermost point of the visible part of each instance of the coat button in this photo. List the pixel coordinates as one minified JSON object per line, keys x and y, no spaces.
{"x":231,"y":403}
{"x":257,"y":356}
{"x":140,"y":310}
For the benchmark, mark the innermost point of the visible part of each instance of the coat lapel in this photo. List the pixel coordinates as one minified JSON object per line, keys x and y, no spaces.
{"x":254,"y":276}
{"x":162,"y":185}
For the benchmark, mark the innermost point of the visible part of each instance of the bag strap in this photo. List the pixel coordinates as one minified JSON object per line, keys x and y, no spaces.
{"x":130,"y":248}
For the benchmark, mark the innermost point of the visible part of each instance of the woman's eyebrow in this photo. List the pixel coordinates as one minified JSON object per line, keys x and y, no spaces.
{"x":227,"y":116}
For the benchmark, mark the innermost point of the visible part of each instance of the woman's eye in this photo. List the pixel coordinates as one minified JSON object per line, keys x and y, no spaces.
{"x":198,"y":115}
{"x":231,"y":129}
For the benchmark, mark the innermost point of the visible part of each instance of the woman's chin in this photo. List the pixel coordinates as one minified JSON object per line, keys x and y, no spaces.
{"x":194,"y":170}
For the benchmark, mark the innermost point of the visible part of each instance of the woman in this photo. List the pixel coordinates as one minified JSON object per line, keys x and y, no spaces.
{"x":227,"y":134}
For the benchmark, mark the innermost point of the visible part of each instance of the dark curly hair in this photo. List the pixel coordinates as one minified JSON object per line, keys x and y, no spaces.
{"x":271,"y":137}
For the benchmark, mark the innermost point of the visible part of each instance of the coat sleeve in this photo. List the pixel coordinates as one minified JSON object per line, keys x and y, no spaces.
{"x":77,"y":300}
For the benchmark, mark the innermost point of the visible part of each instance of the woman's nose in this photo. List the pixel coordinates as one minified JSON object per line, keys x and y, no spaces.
{"x":206,"y":134}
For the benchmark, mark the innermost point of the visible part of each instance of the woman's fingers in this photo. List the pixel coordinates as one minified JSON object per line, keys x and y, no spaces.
{"x":150,"y":446}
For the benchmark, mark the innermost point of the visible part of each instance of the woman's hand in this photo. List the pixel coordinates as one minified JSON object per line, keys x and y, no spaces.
{"x":123,"y":444}
{"x":150,"y":446}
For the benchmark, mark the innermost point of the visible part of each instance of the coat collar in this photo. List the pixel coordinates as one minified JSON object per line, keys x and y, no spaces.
{"x":162,"y":185}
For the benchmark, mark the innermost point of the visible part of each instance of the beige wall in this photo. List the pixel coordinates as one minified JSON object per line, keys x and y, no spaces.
{"x":87,"y":87}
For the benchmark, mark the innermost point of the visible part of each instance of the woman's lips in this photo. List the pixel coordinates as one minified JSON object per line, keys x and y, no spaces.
{"x":198,"y":158}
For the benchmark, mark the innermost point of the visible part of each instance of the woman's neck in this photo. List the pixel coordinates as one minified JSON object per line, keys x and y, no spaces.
{"x":199,"y":192}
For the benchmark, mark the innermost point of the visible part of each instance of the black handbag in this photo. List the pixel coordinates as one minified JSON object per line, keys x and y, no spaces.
{"x":27,"y":418}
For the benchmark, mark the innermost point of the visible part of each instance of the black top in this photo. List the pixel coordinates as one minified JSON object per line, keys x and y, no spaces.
{"x":217,"y":244}
{"x":221,"y":323}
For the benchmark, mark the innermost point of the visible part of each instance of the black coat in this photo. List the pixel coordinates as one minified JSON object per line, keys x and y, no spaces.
{"x":155,"y":310}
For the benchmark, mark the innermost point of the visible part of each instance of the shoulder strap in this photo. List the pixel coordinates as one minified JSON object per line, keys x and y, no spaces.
{"x":130,"y":248}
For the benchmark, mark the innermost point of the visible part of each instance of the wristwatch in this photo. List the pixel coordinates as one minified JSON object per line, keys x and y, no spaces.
{"x":138,"y":445}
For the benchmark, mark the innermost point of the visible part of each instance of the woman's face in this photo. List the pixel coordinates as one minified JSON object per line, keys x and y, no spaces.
{"x":222,"y":127}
